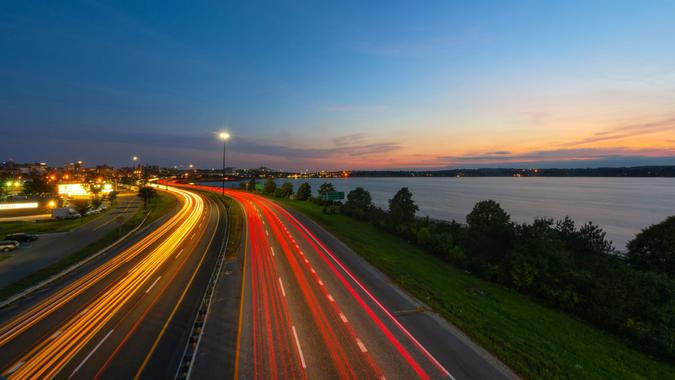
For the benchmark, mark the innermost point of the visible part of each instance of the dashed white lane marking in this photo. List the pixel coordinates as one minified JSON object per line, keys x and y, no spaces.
{"x":192,"y":237}
{"x":153,"y":285}
{"x":362,"y":347}
{"x":330,"y":298}
{"x":181,"y":251}
{"x":312,"y":269}
{"x":344,"y":318}
{"x":297,"y":342}
{"x":307,"y":261}
{"x":267,"y":233}
{"x":272,"y":249}
{"x":55,"y":335}
{"x":320,"y":282}
{"x":15,"y":368}
{"x":281,"y":284}
{"x":91,"y":353}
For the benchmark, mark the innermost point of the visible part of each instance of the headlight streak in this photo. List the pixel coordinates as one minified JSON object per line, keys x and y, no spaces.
{"x":48,"y":358}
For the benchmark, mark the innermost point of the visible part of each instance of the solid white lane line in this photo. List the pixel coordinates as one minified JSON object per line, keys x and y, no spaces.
{"x":16,"y":367}
{"x":283,"y":292}
{"x":330,"y":298}
{"x":297,"y":342}
{"x":153,"y":285}
{"x":344,"y":318}
{"x":272,"y":249}
{"x":361,"y":345}
{"x":181,"y":251}
{"x":91,"y":353}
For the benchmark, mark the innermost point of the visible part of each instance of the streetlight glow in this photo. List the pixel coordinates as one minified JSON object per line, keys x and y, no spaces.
{"x":135,"y":158}
{"x":224,"y":135}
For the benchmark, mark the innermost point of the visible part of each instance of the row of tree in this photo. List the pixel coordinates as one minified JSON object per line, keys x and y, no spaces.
{"x":572,"y":268}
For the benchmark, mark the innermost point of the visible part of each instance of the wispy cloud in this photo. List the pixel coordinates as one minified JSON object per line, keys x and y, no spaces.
{"x":625,"y":131}
{"x":420,"y":47}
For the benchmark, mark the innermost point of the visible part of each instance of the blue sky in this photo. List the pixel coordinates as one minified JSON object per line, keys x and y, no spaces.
{"x":342,"y":85}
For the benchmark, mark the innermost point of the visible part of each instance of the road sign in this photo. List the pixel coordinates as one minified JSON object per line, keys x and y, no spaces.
{"x":334,"y":196}
{"x":259,"y":186}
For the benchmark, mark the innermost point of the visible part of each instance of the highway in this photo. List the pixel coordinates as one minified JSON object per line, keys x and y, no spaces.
{"x":125,"y":315}
{"x":309,"y":307}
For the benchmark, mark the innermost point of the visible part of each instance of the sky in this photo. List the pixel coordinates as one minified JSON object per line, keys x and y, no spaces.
{"x":339,"y":85}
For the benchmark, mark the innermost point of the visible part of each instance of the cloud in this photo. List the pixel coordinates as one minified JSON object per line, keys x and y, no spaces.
{"x":354,"y":108}
{"x":420,"y":47}
{"x":626,"y":131}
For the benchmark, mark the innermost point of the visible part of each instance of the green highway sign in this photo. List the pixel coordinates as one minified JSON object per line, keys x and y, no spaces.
{"x":259,"y":186}
{"x":334,"y":196}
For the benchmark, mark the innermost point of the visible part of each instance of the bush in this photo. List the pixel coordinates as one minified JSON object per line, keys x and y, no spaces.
{"x":654,"y":248}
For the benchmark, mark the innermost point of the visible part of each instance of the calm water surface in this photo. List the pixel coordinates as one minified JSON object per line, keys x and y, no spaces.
{"x":621,"y":206}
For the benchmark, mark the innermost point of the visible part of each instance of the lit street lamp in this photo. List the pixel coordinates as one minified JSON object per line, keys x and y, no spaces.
{"x":224,"y":136}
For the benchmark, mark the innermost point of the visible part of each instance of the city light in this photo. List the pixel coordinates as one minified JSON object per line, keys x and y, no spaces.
{"x":224,"y":136}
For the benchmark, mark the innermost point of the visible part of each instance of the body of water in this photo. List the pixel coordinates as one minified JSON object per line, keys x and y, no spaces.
{"x":621,"y":206}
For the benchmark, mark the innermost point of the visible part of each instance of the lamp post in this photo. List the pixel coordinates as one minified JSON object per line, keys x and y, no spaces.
{"x":223,"y":136}
{"x":135,"y":159}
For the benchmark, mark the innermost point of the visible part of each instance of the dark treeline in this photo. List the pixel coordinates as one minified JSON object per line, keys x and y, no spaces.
{"x":569,"y":267}
{"x":637,"y":171}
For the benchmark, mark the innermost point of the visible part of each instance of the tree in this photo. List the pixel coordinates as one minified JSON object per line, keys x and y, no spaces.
{"x":112,"y":196}
{"x":270,"y":186}
{"x":489,"y":239}
{"x":147,"y":193}
{"x":80,"y":205}
{"x":37,"y":186}
{"x":358,"y":203}
{"x":286,"y":190}
{"x":326,"y":188}
{"x":96,"y":202}
{"x":654,"y":248}
{"x":250,"y":185}
{"x":402,"y":208}
{"x":304,"y":192}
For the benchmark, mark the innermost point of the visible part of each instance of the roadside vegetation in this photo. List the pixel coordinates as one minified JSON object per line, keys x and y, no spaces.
{"x":537,"y":295}
{"x":160,"y":204}
{"x":236,"y":227}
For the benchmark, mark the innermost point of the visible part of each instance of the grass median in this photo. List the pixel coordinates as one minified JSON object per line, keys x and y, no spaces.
{"x":158,"y":206}
{"x":534,"y":340}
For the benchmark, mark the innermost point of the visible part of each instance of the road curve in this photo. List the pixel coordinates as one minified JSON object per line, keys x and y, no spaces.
{"x":113,"y":319}
{"x":311,"y":308}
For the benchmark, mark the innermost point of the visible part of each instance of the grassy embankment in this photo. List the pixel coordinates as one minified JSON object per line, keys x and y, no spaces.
{"x":534,"y":340}
{"x":160,"y":205}
{"x":236,"y":227}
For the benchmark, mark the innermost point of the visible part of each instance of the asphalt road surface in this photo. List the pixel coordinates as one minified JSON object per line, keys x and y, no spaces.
{"x":52,"y":247}
{"x":128,"y":315}
{"x":309,"y":307}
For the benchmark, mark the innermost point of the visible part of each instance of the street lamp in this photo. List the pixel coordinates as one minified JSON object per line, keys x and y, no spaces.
{"x":223,"y":136}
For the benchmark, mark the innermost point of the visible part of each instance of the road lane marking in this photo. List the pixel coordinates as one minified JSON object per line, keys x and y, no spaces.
{"x":306,"y":261}
{"x":320,"y":282}
{"x":297,"y":342}
{"x":312,"y":269}
{"x":344,"y":318}
{"x":192,"y":237}
{"x":282,"y":287}
{"x":153,"y":285}
{"x":272,"y":249}
{"x":267,"y":233}
{"x":330,"y":298}
{"x":91,"y":353}
{"x":181,"y":251}
{"x":55,"y":335}
{"x":361,"y":345}
{"x":16,"y":367}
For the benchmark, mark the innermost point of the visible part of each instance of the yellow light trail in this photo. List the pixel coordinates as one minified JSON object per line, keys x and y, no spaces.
{"x":49,"y":357}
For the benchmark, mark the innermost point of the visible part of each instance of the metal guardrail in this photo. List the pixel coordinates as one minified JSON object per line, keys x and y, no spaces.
{"x":187,"y":361}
